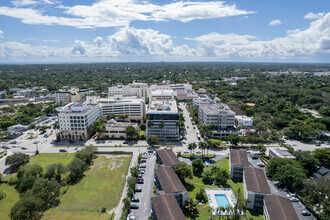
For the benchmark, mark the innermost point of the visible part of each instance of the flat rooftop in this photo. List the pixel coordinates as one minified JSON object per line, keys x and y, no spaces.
{"x":118,"y":99}
{"x":280,"y":208}
{"x":167,"y":208}
{"x":75,"y":108}
{"x":163,"y":106}
{"x":169,"y":180}
{"x":283,"y":152}
{"x":239,"y":158}
{"x":215,"y":108}
{"x":255,"y":180}
{"x":168,"y":157}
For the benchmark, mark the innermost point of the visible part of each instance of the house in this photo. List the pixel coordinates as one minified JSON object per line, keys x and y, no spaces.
{"x":168,"y":182}
{"x":281,"y":152}
{"x":255,"y":187}
{"x":166,"y":157}
{"x":165,"y":207}
{"x":237,"y":161}
{"x":278,"y":208}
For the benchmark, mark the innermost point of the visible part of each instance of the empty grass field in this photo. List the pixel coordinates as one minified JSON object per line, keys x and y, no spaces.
{"x":51,"y":158}
{"x":101,"y":187}
{"x":7,"y":203}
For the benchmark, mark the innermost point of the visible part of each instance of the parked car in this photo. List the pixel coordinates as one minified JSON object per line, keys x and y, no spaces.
{"x":199,"y":152}
{"x":254,"y":156}
{"x":131,"y":217}
{"x":71,"y":141}
{"x":294,"y":199}
{"x":143,"y":160}
{"x":306,"y":213}
{"x":36,"y":142}
{"x":63,"y":150}
{"x":140,"y":175}
{"x":261,"y":165}
{"x":138,"y":189}
{"x":142,"y":165}
{"x":134,"y":206}
{"x":13,"y":142}
{"x":134,"y":199}
{"x":139,"y":181}
{"x":186,"y":152}
{"x":24,"y":148}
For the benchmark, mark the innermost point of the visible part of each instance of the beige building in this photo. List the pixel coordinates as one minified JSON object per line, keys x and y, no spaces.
{"x":115,"y":129}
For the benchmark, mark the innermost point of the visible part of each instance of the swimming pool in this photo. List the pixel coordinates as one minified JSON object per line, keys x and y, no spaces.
{"x":221,"y":200}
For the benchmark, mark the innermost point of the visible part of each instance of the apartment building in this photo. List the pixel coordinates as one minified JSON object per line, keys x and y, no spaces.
{"x":255,"y":187}
{"x":140,"y":90}
{"x":119,"y":105}
{"x":220,"y":115}
{"x":162,"y":118}
{"x":243,"y":120}
{"x":202,"y":100}
{"x":70,"y":95}
{"x":75,"y":119}
{"x":27,"y":93}
{"x":237,"y":161}
{"x":115,"y":129}
{"x":278,"y":208}
{"x":165,"y":207}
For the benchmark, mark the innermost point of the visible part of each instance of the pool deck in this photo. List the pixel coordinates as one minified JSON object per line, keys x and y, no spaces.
{"x":213,"y":201}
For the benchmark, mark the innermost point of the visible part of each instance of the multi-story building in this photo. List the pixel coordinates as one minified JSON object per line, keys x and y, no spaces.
{"x":75,"y":119}
{"x":28,"y":93}
{"x":141,"y":90}
{"x":204,"y":100}
{"x":255,"y":187}
{"x":166,"y":207}
{"x":70,"y":95}
{"x":118,"y":105}
{"x":162,"y":119}
{"x":168,"y":182}
{"x":167,"y":158}
{"x":243,"y":120}
{"x":162,"y":94}
{"x":115,"y":129}
{"x":3,"y":94}
{"x":278,"y":208}
{"x":237,"y":161}
{"x":220,"y":115}
{"x":281,"y":152}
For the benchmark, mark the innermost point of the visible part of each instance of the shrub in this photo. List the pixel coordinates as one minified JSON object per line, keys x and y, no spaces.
{"x":103,"y":209}
{"x":13,"y":180}
{"x":2,"y":194}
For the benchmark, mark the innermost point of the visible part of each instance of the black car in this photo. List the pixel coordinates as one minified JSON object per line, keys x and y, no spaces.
{"x":306,"y":213}
{"x":138,"y":189}
{"x":139,"y":181}
{"x":254,"y":156}
{"x":135,"y":199}
{"x":24,"y":148}
{"x":134,"y":206}
{"x":63,"y":150}
{"x":71,"y":141}
{"x":140,"y":175}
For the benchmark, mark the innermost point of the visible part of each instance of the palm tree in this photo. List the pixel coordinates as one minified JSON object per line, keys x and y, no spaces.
{"x":228,"y":209}
{"x":192,"y":147}
{"x":202,"y":146}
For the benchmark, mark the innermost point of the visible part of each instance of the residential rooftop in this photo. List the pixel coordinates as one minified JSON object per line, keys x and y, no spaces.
{"x":168,"y":157}
{"x":167,"y":208}
{"x":255,"y":180}
{"x":239,"y":158}
{"x":283,"y":153}
{"x":280,"y":208}
{"x":75,"y":108}
{"x":169,"y":180}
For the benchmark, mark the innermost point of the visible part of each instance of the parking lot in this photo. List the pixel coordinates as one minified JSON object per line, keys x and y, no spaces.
{"x":144,"y":206}
{"x":297,"y":205}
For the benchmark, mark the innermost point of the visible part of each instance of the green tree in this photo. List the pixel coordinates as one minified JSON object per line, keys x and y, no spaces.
{"x":183,"y":171}
{"x":86,"y":154}
{"x":47,"y":190}
{"x":198,"y":166}
{"x":111,"y":116}
{"x":55,"y":171}
{"x":131,"y":132}
{"x":134,"y":172}
{"x":124,"y":116}
{"x":192,"y":147}
{"x":76,"y":168}
{"x":127,"y":202}
{"x":152,"y":140}
{"x":323,"y":155}
{"x":233,"y":139}
{"x":142,"y":126}
{"x":220,"y":176}
{"x":307,"y":159}
{"x":202,"y":146}
{"x":17,"y":159}
{"x":261,"y":148}
{"x":191,"y":207}
{"x":207,"y":177}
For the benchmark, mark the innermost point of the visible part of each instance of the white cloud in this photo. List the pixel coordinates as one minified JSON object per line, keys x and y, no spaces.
{"x":131,"y":44}
{"x":20,"y":3}
{"x":275,"y":22}
{"x":117,"y":13}
{"x":1,"y":33}
{"x":312,"y":16}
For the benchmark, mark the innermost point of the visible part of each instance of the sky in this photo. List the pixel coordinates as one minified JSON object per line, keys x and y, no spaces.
{"x":51,"y":31}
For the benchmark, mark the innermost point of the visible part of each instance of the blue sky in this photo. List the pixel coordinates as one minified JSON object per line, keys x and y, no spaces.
{"x":154,"y":30}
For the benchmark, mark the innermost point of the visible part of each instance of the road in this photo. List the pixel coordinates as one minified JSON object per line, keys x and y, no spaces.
{"x":191,"y":135}
{"x":144,"y":210}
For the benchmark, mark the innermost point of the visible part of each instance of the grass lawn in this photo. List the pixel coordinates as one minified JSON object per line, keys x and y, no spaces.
{"x":101,"y":187}
{"x":69,"y":215}
{"x":8,"y":202}
{"x":51,"y":158}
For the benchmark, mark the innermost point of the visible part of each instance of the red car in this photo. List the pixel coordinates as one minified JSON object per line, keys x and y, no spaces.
{"x":261,"y":165}
{"x":143,"y":160}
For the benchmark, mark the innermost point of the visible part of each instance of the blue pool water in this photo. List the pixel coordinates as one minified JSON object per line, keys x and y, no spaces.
{"x":221,"y":200}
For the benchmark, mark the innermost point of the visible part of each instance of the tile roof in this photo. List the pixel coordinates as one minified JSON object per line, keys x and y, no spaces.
{"x":168,"y":157}
{"x":280,"y":208}
{"x":239,"y":157}
{"x":255,"y":180}
{"x":167,"y":208}
{"x":169,"y":180}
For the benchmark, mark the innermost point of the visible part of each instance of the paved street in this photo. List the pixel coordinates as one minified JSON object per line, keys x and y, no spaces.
{"x":144,"y":210}
{"x":191,"y":135}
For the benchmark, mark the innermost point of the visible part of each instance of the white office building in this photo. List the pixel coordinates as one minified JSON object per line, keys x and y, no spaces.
{"x":70,"y":95}
{"x":132,"y":106}
{"x":162,"y":118}
{"x":75,"y":119}
{"x":162,"y":94}
{"x":204,"y":100}
{"x":243,"y":120}
{"x":141,"y":90}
